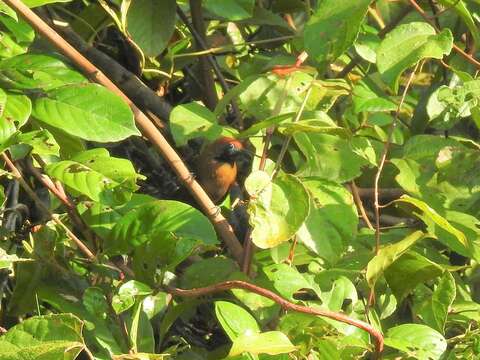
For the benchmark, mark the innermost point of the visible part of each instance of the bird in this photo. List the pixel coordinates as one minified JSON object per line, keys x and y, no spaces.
{"x":216,"y":168}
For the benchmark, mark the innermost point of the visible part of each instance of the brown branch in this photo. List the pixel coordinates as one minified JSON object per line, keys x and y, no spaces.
{"x":359,"y":203}
{"x":210,"y":94}
{"x":18,"y":175}
{"x":57,"y":190}
{"x":145,"y":125}
{"x":285,"y":304}
{"x":466,"y":56}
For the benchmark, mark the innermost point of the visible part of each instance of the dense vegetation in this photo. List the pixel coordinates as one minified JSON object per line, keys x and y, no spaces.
{"x":363,"y":197}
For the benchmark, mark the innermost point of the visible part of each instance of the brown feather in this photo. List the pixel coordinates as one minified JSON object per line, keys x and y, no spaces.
{"x":215,"y":176}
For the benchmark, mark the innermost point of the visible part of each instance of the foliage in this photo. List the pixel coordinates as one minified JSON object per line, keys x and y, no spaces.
{"x":372,"y":81}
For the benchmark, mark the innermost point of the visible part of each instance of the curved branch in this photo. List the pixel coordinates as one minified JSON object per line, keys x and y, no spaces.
{"x":285,"y":304}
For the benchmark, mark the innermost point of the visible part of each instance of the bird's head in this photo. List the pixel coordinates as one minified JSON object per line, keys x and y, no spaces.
{"x":227,"y":149}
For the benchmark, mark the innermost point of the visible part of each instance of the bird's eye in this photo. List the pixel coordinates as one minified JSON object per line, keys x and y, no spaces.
{"x":231,"y":147}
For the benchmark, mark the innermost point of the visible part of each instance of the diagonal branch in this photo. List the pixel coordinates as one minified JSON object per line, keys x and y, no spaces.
{"x":147,"y":128}
{"x":18,"y":175}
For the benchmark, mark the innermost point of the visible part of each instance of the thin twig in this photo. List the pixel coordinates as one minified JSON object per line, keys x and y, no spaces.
{"x":287,"y":140}
{"x":146,"y":126}
{"x":248,"y":244}
{"x":359,"y":203}
{"x":466,"y":56}
{"x":383,"y":158}
{"x":210,"y":94}
{"x":18,"y":175}
{"x":56,"y":188}
{"x":202,"y":45}
{"x":285,"y":304}
{"x":219,"y":49}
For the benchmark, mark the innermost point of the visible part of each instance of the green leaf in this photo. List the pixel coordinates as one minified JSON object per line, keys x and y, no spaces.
{"x":332,"y":222}
{"x":5,"y":9}
{"x":426,"y":146}
{"x":287,"y":280}
{"x":9,"y":46}
{"x":156,"y":220}
{"x":15,"y":111}
{"x":40,"y":142}
{"x":127,"y":293}
{"x":235,"y":320}
{"x":117,"y":169}
{"x":312,"y":126}
{"x":437,"y":308}
{"x":102,"y":218}
{"x":461,"y":9}
{"x":366,"y":99}
{"x":208,"y":272}
{"x":95,"y":302}
{"x":418,"y":341}
{"x":89,"y":112}
{"x":36,"y":3}
{"x":143,"y":24}
{"x":447,"y":105}
{"x":345,"y":16}
{"x":19,"y":28}
{"x":432,"y":215}
{"x":271,"y":342}
{"x":36,"y":71}
{"x":408,"y":271}
{"x":255,"y":128}
{"x":7,"y":260}
{"x":407,"y":44}
{"x":85,"y":180}
{"x":277,"y":209}
{"x":232,"y":10}
{"x":259,"y":95}
{"x":342,"y":163}
{"x":387,"y":256}
{"x":56,"y":336}
{"x":188,"y":121}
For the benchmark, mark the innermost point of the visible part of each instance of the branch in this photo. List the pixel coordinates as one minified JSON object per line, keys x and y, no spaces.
{"x":358,"y":201}
{"x":57,"y":190}
{"x":466,"y":56}
{"x":285,"y":304}
{"x":210,"y":95}
{"x":145,"y":125}
{"x":18,"y":175}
